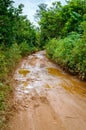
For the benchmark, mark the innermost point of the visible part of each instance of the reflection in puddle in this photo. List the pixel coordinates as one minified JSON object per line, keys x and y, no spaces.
{"x":23,"y":72}
{"x":68,"y":82}
{"x":55,"y":71}
{"x":25,"y":83}
{"x":74,"y":89}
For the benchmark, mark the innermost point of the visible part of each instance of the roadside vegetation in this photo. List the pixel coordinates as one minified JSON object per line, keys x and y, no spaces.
{"x":63,"y":32}
{"x":17,"y":39}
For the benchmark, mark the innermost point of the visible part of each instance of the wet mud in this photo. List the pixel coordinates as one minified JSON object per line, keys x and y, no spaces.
{"x":46,"y":98}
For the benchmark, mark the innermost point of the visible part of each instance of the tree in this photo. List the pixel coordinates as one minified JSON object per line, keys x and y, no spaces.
{"x":57,"y":20}
{"x":14,"y":26}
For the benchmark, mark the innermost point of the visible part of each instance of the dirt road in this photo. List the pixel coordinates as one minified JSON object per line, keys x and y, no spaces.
{"x":46,"y":98}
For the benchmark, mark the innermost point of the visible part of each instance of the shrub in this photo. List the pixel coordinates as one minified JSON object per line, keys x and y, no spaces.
{"x":26,"y":48}
{"x":3,"y":66}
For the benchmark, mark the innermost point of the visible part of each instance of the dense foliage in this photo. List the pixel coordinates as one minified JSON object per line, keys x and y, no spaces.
{"x":58,"y":21}
{"x":14,"y":27}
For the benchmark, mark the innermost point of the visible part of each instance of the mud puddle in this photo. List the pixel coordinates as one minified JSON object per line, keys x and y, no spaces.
{"x":46,"y":98}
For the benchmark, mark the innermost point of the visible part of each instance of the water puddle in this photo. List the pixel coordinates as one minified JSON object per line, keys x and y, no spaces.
{"x":24,"y":72}
{"x":25,"y":83}
{"x":55,"y":71}
{"x":68,"y":82}
{"x":48,"y":86}
{"x":74,"y":88}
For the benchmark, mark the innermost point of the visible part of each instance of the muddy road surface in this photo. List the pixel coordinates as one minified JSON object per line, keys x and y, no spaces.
{"x":46,"y":98}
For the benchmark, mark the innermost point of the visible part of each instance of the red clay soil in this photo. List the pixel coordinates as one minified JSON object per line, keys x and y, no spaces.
{"x":46,"y":98}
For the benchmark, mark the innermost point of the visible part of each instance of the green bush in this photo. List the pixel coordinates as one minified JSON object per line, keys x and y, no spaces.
{"x":3,"y":66}
{"x":80,"y":57}
{"x":26,"y":48}
{"x":13,"y":56}
{"x":8,"y":59}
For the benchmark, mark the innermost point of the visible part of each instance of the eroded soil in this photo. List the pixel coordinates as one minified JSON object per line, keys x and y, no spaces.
{"x":46,"y":98}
